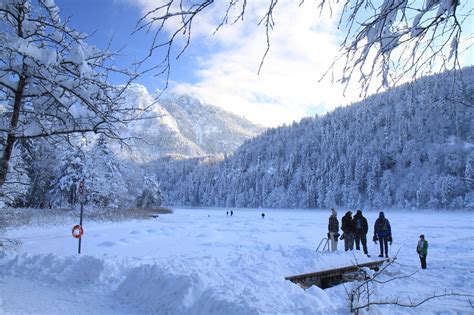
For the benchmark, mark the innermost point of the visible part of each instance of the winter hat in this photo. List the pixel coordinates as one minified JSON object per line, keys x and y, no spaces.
{"x":333,"y":211}
{"x":381,"y":215}
{"x":359,"y":212}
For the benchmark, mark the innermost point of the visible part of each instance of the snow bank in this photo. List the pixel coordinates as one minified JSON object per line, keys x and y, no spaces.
{"x":74,"y":271}
{"x":154,"y":288}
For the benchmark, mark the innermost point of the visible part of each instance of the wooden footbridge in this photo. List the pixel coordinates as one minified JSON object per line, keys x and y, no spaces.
{"x":328,"y":278}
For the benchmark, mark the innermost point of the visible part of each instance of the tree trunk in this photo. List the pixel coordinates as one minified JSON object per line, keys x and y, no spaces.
{"x":11,"y":138}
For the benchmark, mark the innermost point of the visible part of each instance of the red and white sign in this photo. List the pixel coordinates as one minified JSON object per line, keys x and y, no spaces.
{"x":77,"y":231}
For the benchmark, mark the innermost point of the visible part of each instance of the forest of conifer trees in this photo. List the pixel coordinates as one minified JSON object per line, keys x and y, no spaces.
{"x":411,"y":147}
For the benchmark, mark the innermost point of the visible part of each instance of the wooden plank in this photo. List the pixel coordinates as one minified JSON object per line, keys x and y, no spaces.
{"x":319,"y":277}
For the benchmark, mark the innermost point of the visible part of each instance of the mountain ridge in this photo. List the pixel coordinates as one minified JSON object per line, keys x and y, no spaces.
{"x":183,"y":126}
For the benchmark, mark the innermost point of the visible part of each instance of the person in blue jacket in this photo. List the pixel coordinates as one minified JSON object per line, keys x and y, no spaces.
{"x":383,"y":233}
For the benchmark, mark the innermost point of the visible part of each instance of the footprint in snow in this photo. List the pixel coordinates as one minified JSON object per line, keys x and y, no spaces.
{"x":125,"y":240}
{"x":107,"y":244}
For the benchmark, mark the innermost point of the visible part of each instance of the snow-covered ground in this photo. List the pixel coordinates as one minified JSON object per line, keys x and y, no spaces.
{"x":198,"y":261}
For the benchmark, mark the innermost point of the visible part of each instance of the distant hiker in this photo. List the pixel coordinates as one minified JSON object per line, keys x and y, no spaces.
{"x":383,"y":233}
{"x":333,"y":229}
{"x":227,"y":213}
{"x":422,"y":250}
{"x":231,"y":213}
{"x":360,"y":231}
{"x":348,"y":229}
{"x":263,"y":215}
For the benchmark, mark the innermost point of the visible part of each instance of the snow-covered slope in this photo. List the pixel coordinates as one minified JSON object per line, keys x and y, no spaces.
{"x":184,"y":126}
{"x":411,"y":146}
{"x":212,"y":129}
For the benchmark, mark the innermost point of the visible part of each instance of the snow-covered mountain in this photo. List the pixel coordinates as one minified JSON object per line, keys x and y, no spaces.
{"x":183,"y":126}
{"x":410,"y":147}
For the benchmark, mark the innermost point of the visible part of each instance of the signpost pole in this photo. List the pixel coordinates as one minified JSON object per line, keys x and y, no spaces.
{"x":80,"y":223}
{"x":81,"y":200}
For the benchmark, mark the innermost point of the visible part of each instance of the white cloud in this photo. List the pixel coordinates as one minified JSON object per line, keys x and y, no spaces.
{"x":303,"y":46}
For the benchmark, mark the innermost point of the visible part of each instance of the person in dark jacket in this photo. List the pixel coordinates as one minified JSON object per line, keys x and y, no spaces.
{"x":333,"y":229}
{"x":383,"y":233}
{"x":360,"y":231}
{"x":422,"y":250}
{"x":348,"y":229}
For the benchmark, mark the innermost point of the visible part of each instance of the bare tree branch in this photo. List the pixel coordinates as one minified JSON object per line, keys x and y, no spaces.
{"x":384,"y":40}
{"x":359,"y":297}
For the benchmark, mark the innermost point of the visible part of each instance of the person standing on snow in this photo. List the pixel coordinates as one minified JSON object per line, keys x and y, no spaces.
{"x":383,"y":233}
{"x":360,"y":231}
{"x":333,"y":229}
{"x":422,"y":250}
{"x":348,"y":229}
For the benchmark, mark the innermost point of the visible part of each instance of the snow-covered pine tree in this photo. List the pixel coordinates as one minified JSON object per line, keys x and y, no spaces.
{"x":68,"y":174}
{"x":105,"y":184}
{"x":151,"y":196}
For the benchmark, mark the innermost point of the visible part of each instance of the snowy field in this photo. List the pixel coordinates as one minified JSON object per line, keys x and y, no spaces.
{"x":198,"y":261}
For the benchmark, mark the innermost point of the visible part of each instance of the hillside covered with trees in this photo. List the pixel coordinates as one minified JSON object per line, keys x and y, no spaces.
{"x":410,"y":147}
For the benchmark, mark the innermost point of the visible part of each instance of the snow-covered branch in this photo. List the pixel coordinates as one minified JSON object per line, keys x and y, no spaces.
{"x":52,"y":83}
{"x":385,"y":40}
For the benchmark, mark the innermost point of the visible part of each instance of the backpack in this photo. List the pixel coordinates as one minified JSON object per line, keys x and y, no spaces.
{"x":381,"y":225}
{"x":358,"y":224}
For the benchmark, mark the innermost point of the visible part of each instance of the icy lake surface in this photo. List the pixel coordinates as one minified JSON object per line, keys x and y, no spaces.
{"x":199,"y":261}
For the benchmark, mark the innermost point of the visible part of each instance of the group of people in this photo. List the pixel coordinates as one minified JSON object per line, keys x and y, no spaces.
{"x":355,"y":229}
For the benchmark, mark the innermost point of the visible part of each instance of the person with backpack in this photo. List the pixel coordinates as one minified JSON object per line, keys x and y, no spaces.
{"x":333,"y":229}
{"x":383,"y":233}
{"x":422,"y":250}
{"x":360,"y":231}
{"x":348,"y":229}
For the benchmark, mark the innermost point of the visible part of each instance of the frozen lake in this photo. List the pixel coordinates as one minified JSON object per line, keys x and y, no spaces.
{"x":199,"y":261}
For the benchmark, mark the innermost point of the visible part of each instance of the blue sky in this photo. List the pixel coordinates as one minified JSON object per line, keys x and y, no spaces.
{"x":111,"y":20}
{"x":221,"y":69}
